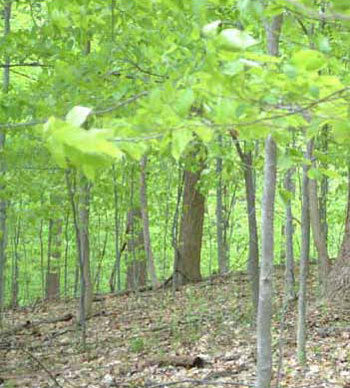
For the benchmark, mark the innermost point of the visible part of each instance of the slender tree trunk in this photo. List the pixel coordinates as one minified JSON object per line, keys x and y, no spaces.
{"x":266,"y":272}
{"x":115,"y":274}
{"x":220,"y":224}
{"x":66,"y":249}
{"x":3,"y":203}
{"x":253,"y":256}
{"x":324,"y":186}
{"x":304,"y":261}
{"x":42,"y":271}
{"x":15,"y":264}
{"x":264,"y":345}
{"x":289,"y":272}
{"x":137,"y":266}
{"x":85,"y":273}
{"x":174,"y":231}
{"x":191,"y":228}
{"x":319,"y":237}
{"x":80,"y":211}
{"x":145,"y":219}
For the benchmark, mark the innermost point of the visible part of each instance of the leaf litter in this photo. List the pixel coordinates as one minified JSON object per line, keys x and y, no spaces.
{"x":204,"y":336}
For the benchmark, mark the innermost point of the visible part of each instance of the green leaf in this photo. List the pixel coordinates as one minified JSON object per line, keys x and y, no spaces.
{"x":78,"y":115}
{"x":233,"y":40}
{"x":309,"y":59}
{"x":205,"y":133}
{"x":180,"y":139}
{"x":330,"y":173}
{"x":315,"y":173}
{"x":341,"y":130}
{"x":211,"y":29}
{"x":286,"y":196}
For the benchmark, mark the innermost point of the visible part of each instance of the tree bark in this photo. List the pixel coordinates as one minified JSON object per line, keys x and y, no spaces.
{"x":304,"y":261}
{"x":220,"y":223}
{"x":264,"y":346}
{"x":289,"y":272}
{"x":146,"y":233}
{"x":115,"y":274}
{"x":83,"y":230}
{"x":319,"y":237}
{"x":339,"y":278}
{"x":191,"y":227}
{"x":136,"y":276}
{"x":3,"y":203}
{"x":253,"y":256}
{"x":54,"y":252}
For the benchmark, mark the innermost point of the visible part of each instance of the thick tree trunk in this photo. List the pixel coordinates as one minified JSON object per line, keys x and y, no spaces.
{"x":304,"y":261}
{"x":220,"y":224}
{"x":289,"y":273}
{"x":3,"y":204}
{"x":319,"y":237}
{"x":264,"y":345}
{"x":191,"y":228}
{"x":146,"y":233}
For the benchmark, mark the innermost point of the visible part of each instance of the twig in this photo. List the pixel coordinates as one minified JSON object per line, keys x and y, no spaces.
{"x":316,"y":15}
{"x":33,"y":123}
{"x":32,"y":64}
{"x":52,"y":377}
{"x":200,"y":382}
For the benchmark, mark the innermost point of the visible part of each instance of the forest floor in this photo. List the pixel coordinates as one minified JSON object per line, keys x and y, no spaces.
{"x":201,"y":337}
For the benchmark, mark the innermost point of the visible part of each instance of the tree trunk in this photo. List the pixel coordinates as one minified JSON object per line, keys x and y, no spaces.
{"x":220,"y":223}
{"x":15,"y":267}
{"x":266,"y":272}
{"x":80,"y":202}
{"x":304,"y":261}
{"x":191,"y":227}
{"x":3,"y":204}
{"x":54,"y":256}
{"x":83,"y":230}
{"x":253,"y":256}
{"x":136,"y":274}
{"x":115,"y":274}
{"x":264,"y":345}
{"x":339,"y":278}
{"x":289,"y":272}
{"x":324,"y":186}
{"x":146,"y":233}
{"x":319,"y":237}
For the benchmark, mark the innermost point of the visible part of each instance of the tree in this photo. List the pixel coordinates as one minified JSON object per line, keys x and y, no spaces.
{"x":3,"y":202}
{"x":187,"y":267}
{"x":304,"y":259}
{"x":264,"y":353}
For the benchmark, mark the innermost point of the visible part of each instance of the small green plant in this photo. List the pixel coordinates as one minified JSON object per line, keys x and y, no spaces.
{"x":137,"y":345}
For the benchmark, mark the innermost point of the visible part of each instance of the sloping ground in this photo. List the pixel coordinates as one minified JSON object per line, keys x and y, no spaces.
{"x":202,"y":336}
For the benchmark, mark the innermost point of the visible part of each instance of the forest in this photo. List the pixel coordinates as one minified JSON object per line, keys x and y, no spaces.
{"x":174,"y":193}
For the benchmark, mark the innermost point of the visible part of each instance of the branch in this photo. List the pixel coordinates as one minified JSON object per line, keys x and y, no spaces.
{"x":200,"y":382}
{"x":33,"y":123}
{"x":319,"y":16}
{"x":31,"y":64}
